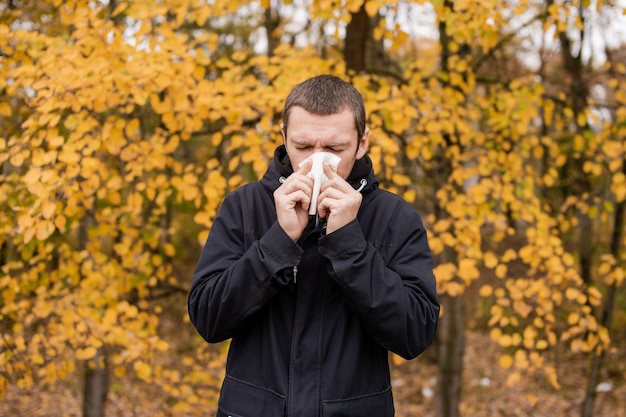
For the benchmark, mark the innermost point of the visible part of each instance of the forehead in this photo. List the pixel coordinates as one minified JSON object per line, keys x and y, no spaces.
{"x":308,"y":126}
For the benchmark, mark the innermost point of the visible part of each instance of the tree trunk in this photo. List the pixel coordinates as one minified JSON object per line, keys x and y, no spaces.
{"x":607,"y":314}
{"x":451,"y":329}
{"x":96,"y":385}
{"x":356,"y":37}
{"x":451,"y":347}
{"x":271,"y":24}
{"x":96,"y":376}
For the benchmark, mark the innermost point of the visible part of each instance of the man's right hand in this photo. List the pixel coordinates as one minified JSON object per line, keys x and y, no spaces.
{"x":292,"y":200}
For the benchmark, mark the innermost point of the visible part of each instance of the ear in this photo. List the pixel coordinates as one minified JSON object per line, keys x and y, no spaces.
{"x":363,"y":144}
{"x":282,"y":130}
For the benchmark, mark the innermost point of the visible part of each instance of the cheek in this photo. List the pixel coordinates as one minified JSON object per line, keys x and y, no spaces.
{"x":295,"y":162}
{"x":344,"y":168}
{"x":296,"y":158}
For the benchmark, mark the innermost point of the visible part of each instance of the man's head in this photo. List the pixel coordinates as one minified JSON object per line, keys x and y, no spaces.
{"x":325,"y":113}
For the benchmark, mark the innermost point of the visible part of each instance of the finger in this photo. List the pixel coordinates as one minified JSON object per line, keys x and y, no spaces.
{"x":305,"y":199}
{"x":305,"y":185}
{"x":298,"y":177}
{"x":299,"y":197}
{"x":325,"y":206}
{"x":328,"y":191}
{"x":329,"y":171}
{"x":322,"y":211}
{"x":337,"y":183}
{"x":303,"y":203}
{"x":305,"y":168}
{"x":295,"y":183}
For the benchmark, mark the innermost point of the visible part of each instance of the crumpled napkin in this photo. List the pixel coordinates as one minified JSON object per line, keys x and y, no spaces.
{"x":317,"y":173}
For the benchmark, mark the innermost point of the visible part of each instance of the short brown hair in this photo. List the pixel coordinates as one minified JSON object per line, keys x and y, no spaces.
{"x":325,"y":95}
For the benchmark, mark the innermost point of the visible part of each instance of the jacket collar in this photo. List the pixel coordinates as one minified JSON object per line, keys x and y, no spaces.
{"x":361,"y":177}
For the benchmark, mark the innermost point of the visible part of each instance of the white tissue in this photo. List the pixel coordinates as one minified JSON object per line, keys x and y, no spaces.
{"x":317,"y":173}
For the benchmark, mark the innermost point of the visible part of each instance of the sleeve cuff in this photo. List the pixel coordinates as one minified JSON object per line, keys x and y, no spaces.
{"x":343,"y":242}
{"x":281,"y":251}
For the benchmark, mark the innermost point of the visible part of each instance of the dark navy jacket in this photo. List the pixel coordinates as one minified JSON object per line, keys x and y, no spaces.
{"x":312,"y":323}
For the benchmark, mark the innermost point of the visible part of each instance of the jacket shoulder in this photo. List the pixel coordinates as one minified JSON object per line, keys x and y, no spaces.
{"x":247,"y":190}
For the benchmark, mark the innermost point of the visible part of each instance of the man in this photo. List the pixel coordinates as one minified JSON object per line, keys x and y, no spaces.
{"x":313,"y":303}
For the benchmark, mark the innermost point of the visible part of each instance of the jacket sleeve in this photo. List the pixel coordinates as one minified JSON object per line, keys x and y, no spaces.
{"x":395,"y":296}
{"x":231,"y":282}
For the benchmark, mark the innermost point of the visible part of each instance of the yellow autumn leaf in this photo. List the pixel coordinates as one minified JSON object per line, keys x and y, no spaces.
{"x":29,"y":234}
{"x":528,"y":341}
{"x":505,"y":340}
{"x":505,"y":361}
{"x":202,"y":218}
{"x":426,"y":152}
{"x":131,"y":311}
{"x":495,"y":333}
{"x":604,"y":268}
{"x":485,"y":291}
{"x":412,"y":150}
{"x":401,"y":180}
{"x":86,"y":353}
{"x":573,"y":318}
{"x":490,"y":260}
{"x":71,"y":122}
{"x":43,"y":229}
{"x":467,"y":270}
{"x":17,"y":159}
{"x":32,"y":176}
{"x":436,"y":245}
{"x":449,"y":240}
{"x":513,"y":379}
{"x":143,"y":370}
{"x":190,"y":193}
{"x":509,"y":255}
{"x":618,"y":186}
{"x":442,"y":225}
{"x":162,"y":346}
{"x":371,"y":8}
{"x":399,"y":40}
{"x":169,"y":250}
{"x":409,"y":196}
{"x":617,"y":277}
{"x":119,"y":371}
{"x":445,"y":272}
{"x":5,"y":109}
{"x":48,"y":209}
{"x":453,"y":289}
{"x":552,"y":376}
{"x":615,"y":165}
{"x":501,"y":271}
{"x":572,"y":293}
{"x":37,"y":359}
{"x":521,"y":359}
{"x":60,"y":223}
{"x":156,"y":259}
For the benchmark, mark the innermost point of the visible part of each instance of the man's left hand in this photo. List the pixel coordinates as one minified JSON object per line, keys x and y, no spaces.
{"x":338,"y":202}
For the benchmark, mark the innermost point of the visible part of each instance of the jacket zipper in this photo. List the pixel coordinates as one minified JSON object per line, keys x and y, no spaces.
{"x":295,"y":273}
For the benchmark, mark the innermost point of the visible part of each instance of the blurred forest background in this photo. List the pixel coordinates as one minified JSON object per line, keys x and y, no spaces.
{"x":125,"y":122}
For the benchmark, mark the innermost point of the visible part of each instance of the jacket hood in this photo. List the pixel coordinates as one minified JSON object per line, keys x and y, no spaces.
{"x":361,"y":177}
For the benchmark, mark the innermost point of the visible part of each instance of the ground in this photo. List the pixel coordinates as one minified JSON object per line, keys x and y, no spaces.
{"x":485,"y":392}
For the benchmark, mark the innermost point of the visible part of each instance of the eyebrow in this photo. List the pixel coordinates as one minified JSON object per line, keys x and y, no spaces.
{"x":304,"y":142}
{"x":300,"y":141}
